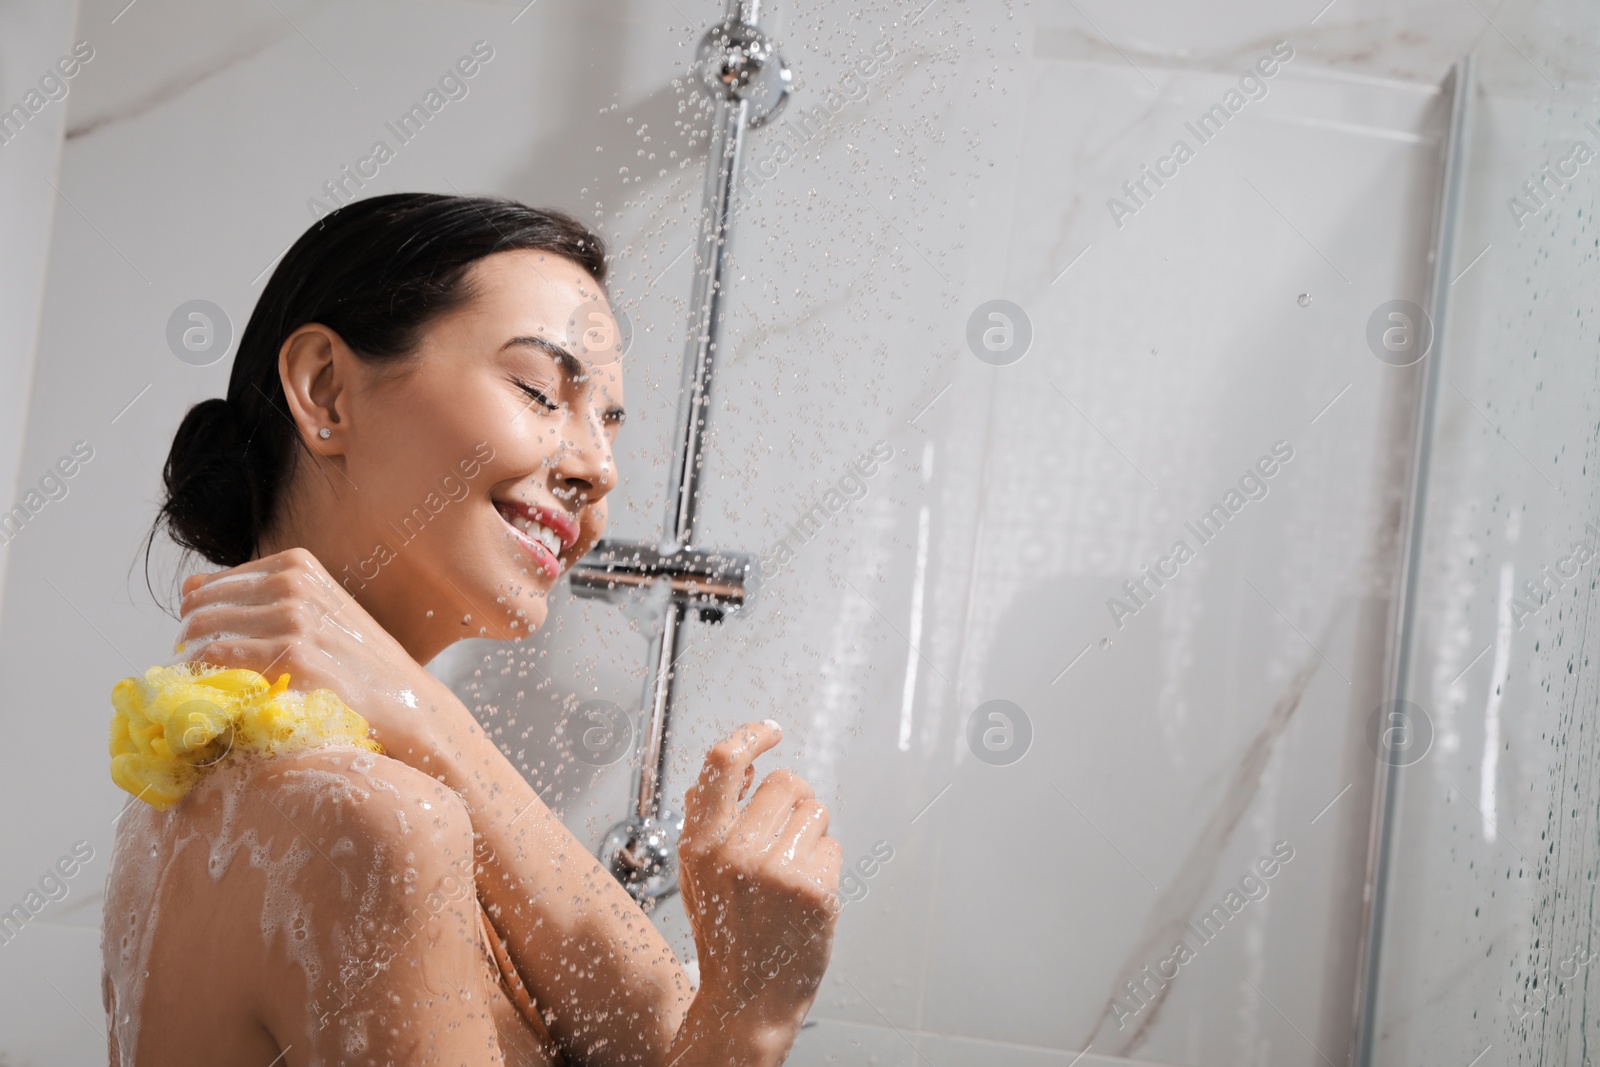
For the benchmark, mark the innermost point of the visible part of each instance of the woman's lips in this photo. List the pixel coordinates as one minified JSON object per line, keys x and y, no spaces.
{"x":544,"y":527}
{"x":556,"y":520}
{"x":548,"y":563}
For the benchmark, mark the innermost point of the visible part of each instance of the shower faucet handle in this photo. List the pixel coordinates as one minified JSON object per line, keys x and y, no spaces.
{"x":714,"y":582}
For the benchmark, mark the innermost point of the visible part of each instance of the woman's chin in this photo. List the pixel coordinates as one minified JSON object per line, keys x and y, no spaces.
{"x":527,"y":622}
{"x":509,"y":602}
{"x":523,"y":610}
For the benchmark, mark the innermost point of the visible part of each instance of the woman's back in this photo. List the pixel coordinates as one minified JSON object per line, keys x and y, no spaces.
{"x":321,"y":904}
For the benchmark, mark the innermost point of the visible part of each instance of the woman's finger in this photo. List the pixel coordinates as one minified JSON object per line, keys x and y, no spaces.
{"x":770,"y":806}
{"x":247,"y":587}
{"x":220,"y":583}
{"x":712,"y":803}
{"x":807,"y":825}
{"x":828,"y":862}
{"x":228,"y":590}
{"x":263,"y":619}
{"x":265,"y":565}
{"x":196,"y":580}
{"x":243,"y":653}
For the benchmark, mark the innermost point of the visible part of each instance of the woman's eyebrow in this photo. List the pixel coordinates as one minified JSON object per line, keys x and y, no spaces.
{"x":564,"y":359}
{"x":570,"y":364}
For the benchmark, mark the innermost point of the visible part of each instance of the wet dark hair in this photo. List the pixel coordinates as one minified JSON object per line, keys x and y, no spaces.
{"x":376,"y":272}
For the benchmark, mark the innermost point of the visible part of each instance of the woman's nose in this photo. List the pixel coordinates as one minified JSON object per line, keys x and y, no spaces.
{"x":585,"y":463}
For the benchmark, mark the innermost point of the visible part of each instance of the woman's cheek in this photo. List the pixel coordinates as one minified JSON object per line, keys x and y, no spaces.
{"x":591,"y":526}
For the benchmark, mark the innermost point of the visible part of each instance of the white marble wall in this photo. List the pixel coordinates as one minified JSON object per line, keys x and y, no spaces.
{"x":1169,"y":354}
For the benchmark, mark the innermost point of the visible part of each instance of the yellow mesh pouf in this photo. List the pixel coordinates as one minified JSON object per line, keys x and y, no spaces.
{"x":175,"y":722}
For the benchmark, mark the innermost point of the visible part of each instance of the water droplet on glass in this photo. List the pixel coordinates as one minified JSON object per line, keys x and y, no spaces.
{"x":1304,"y":300}
{"x":1105,"y":642}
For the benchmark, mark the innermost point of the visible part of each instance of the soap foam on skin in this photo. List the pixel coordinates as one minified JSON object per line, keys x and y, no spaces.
{"x":363,"y":764}
{"x":151,"y":846}
{"x":186,"y":650}
{"x":321,"y":786}
{"x":281,"y":906}
{"x":137,"y":875}
{"x":224,"y":579}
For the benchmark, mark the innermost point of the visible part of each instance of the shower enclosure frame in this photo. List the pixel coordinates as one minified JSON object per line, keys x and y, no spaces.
{"x":1388,"y":779}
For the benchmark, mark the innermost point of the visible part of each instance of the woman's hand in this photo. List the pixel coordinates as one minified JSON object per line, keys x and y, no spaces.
{"x":760,"y":886}
{"x":284,"y":612}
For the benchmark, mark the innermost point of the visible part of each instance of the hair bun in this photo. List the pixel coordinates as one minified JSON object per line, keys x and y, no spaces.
{"x":211,"y":505}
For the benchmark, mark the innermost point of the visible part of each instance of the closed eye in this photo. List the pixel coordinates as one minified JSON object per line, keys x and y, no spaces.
{"x":536,"y":394}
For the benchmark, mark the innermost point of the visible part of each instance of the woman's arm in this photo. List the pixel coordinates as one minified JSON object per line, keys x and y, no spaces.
{"x":757,"y":882}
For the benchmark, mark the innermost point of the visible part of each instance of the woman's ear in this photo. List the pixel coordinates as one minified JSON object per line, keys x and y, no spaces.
{"x":314,"y":365}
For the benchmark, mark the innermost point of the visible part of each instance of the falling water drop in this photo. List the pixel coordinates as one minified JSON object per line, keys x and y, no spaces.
{"x":1105,"y":642}
{"x":466,"y":620}
{"x":1304,"y":300}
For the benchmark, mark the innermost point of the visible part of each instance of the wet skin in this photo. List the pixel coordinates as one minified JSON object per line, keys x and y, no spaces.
{"x":356,"y":844}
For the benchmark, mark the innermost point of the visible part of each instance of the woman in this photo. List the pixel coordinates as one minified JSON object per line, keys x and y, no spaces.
{"x":415,"y":444}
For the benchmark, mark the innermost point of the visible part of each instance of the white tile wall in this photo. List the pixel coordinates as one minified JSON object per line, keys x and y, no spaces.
{"x":1165,"y":360}
{"x":33,"y":37}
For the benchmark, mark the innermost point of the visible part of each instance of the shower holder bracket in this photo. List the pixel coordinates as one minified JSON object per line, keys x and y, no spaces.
{"x":712,"y":582}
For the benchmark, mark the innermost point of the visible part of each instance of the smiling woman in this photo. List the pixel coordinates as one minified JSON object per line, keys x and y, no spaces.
{"x":396,"y":336}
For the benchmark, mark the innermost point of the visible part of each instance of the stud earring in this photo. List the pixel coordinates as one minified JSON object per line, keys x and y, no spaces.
{"x":324,"y":433}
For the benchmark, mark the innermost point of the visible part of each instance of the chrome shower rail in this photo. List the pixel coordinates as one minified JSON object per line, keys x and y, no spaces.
{"x":748,"y":82}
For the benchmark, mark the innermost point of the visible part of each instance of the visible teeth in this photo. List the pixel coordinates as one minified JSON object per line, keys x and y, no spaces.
{"x":540,"y":533}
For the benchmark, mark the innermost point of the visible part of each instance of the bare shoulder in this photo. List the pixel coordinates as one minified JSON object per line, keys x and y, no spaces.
{"x":387,"y":866}
{"x":369,"y":831}
{"x":334,"y":790}
{"x":337,"y":883}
